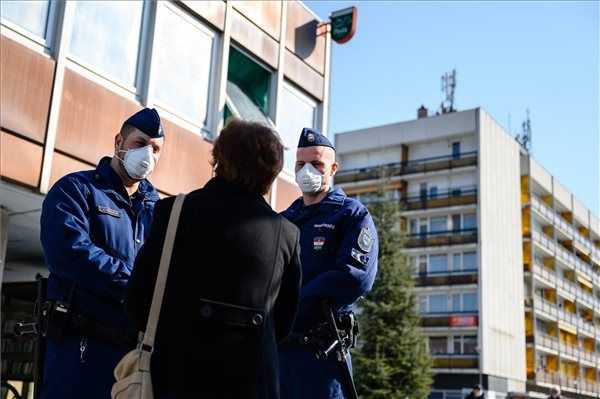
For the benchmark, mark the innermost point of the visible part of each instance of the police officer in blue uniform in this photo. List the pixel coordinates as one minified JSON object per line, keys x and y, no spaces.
{"x":93,"y":223}
{"x":339,"y":251}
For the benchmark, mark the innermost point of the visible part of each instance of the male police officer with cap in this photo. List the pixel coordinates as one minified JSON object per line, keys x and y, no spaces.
{"x":93,"y":223}
{"x":339,"y":251}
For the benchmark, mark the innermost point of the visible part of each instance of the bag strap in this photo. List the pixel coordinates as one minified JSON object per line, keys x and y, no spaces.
{"x":163,"y":271}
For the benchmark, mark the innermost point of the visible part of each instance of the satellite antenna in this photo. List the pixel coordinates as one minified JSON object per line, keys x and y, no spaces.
{"x":448,"y":86}
{"x":525,"y":137}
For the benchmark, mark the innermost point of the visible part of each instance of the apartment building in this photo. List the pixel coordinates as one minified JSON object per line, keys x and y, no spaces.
{"x":478,"y":244}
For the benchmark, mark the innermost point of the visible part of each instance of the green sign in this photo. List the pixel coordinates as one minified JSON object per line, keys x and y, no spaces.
{"x":343,"y":24}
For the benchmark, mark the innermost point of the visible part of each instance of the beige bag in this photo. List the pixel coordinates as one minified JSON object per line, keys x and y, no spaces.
{"x":133,"y":371}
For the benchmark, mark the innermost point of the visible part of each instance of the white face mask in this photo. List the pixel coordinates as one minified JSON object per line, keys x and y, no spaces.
{"x":309,"y":179}
{"x":139,"y":162}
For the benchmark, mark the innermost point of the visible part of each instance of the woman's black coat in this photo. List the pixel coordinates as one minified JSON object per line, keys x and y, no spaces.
{"x":232,"y":248}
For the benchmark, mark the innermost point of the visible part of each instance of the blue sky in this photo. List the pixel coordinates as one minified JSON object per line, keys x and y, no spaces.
{"x":509,"y":56}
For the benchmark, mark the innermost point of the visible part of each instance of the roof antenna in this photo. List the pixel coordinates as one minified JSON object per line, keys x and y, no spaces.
{"x":448,"y":86}
{"x":524,"y":138}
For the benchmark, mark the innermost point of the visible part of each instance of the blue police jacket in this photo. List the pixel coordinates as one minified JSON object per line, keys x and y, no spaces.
{"x":91,"y":231}
{"x":339,"y":251}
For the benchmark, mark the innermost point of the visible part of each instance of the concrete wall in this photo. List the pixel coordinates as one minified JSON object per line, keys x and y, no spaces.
{"x":421,"y":130}
{"x":501,"y":255}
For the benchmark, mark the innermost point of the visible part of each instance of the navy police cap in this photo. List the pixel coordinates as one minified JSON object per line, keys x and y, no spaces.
{"x":148,"y":121}
{"x":311,"y":138}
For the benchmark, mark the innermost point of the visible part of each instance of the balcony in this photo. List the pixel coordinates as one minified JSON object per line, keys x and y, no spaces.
{"x":455,"y":197}
{"x":547,"y":341}
{"x":441,"y":238}
{"x":569,"y":350}
{"x":467,"y":276}
{"x":588,"y":356}
{"x":545,"y":273}
{"x":545,"y":242}
{"x":589,"y":386}
{"x":547,"y":377}
{"x":542,"y":305}
{"x":455,"y":361}
{"x":406,"y":168}
{"x":450,"y":319}
{"x":543,"y":209}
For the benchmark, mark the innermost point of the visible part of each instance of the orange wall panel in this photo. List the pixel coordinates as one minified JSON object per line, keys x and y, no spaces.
{"x":90,"y":117}
{"x":184,"y":164}
{"x":26,"y":79}
{"x":301,"y":37}
{"x":213,"y":11}
{"x":63,"y":165}
{"x":265,"y":14}
{"x":20,"y":160}
{"x":254,"y":39}
{"x":286,"y":194}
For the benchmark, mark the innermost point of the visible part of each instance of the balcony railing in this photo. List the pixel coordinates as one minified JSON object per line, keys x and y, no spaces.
{"x":455,"y":361}
{"x":409,"y":167}
{"x":439,"y":238}
{"x":544,"y":241}
{"x":453,"y":197}
{"x":544,"y":306}
{"x":466,"y":276}
{"x":589,"y":386}
{"x":542,"y":208}
{"x":544,"y":272}
{"x":547,"y":377}
{"x":570,"y":350}
{"x":547,"y":341}
{"x":589,"y":356}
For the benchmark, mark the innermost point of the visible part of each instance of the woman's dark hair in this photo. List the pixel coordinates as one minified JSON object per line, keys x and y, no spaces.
{"x":249,"y":154}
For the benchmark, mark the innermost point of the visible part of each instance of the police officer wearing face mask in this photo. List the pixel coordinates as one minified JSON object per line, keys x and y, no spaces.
{"x":339,"y":250}
{"x":93,"y":223}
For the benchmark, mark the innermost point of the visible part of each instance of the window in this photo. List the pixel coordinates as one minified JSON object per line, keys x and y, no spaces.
{"x":469,"y":221}
{"x":423,"y":226}
{"x":455,"y":305}
{"x":413,"y":226}
{"x":181,"y":64}
{"x":456,"y":192}
{"x":423,"y":190}
{"x":438,"y":224}
{"x":470,"y":260}
{"x":423,"y":264}
{"x":456,"y":150}
{"x":438,"y":345}
{"x":433,"y":192}
{"x":106,"y":36}
{"x":438,"y":263}
{"x":456,"y":222}
{"x":248,"y":88}
{"x":31,"y":16}
{"x":456,"y":264}
{"x":423,"y":304}
{"x":470,"y":302}
{"x":457,"y":344}
{"x":296,"y":111}
{"x":469,"y":345}
{"x":438,"y":303}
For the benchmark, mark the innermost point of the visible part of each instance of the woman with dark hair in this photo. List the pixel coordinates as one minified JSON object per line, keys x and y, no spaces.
{"x":234,"y":280}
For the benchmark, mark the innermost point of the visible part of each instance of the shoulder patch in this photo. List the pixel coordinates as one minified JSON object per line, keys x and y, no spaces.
{"x":365,"y":239}
{"x":360,"y":257}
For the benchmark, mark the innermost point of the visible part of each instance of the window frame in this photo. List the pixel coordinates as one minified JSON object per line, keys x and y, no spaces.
{"x":45,"y":45}
{"x":303,"y":96}
{"x":135,"y":89}
{"x":205,"y":128}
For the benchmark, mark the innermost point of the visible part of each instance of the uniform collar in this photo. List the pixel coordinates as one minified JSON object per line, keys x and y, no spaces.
{"x":334,"y":199}
{"x":145,"y":188}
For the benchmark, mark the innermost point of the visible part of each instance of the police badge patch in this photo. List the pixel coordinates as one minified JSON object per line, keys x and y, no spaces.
{"x":365,"y":239}
{"x":360,"y":257}
{"x":318,"y":243}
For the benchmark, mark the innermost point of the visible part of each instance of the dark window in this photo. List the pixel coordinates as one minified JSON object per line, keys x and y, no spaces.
{"x":433,"y":192}
{"x":456,"y":150}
